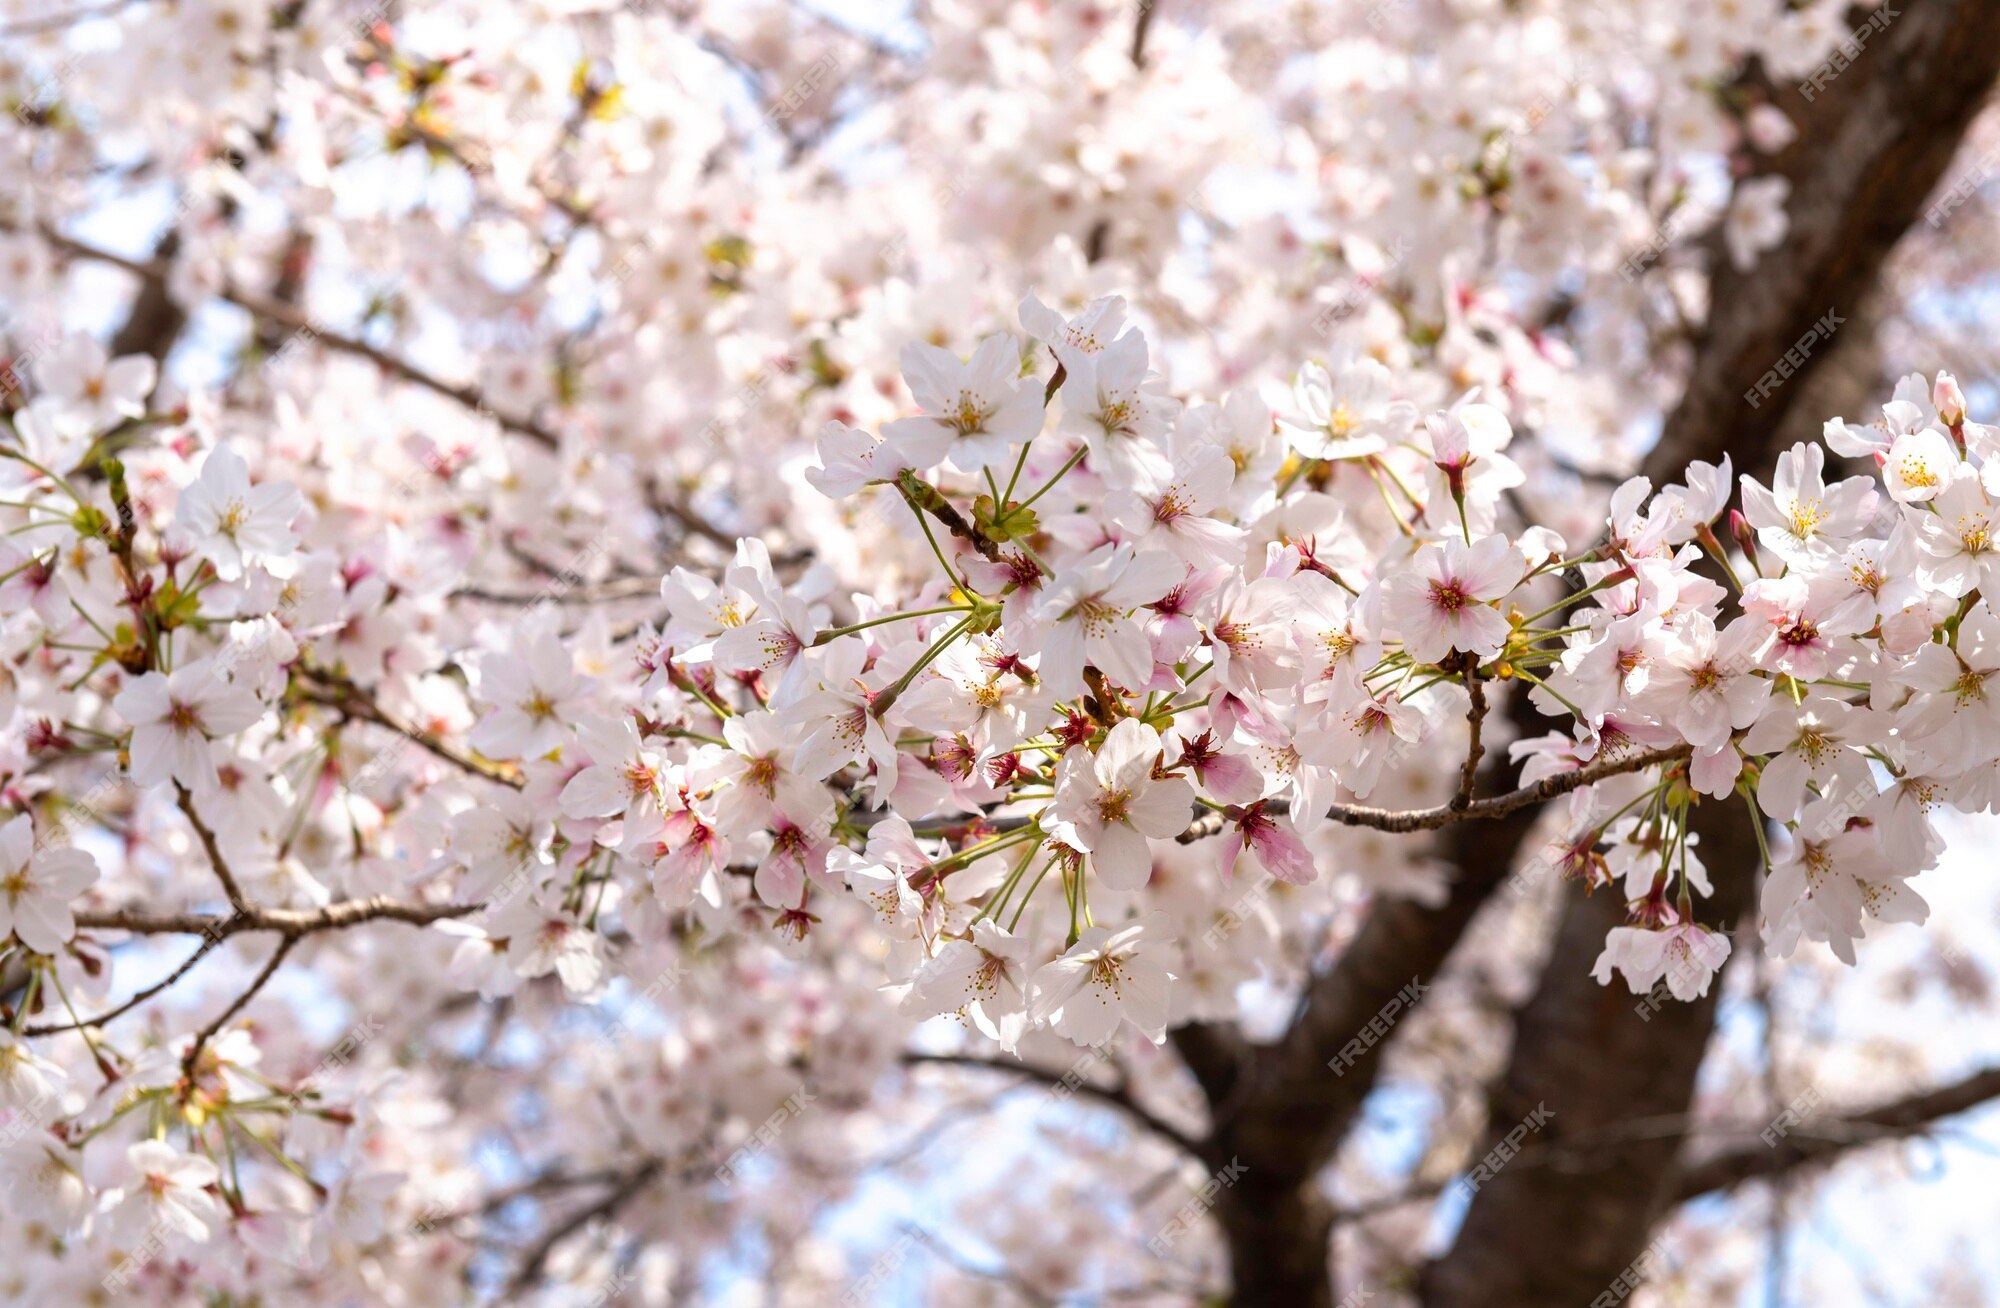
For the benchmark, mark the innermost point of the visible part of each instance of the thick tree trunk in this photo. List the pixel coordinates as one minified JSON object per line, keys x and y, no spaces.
{"x":1870,"y":151}
{"x":1595,"y":1059}
{"x":1279,"y":1239}
{"x":1282,"y":1111}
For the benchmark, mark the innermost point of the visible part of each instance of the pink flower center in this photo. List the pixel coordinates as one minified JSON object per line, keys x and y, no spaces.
{"x":1448,"y":595}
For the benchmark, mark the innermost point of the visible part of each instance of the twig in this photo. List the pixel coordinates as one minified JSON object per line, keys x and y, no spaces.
{"x":1819,"y":1142}
{"x":1475,"y":717}
{"x":286,"y":921}
{"x":202,"y":1037}
{"x":1444,"y":815}
{"x":531,"y":1270}
{"x":294,"y":319}
{"x":337,"y":692}
{"x":923,"y":496}
{"x":187,"y":965}
{"x":208,"y":844}
{"x":1141,"y":29}
{"x":1117,"y":1096}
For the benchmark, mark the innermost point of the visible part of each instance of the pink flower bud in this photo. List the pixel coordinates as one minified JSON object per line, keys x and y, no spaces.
{"x":1950,"y":400}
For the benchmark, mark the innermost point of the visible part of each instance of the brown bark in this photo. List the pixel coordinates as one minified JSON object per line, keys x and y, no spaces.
{"x":1870,"y":150}
{"x":1595,"y":1057}
{"x":1815,"y":1141}
{"x":153,"y":323}
{"x":1872,"y":147}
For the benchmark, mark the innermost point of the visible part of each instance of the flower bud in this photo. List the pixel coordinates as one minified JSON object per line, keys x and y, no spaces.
{"x":1745,"y":537}
{"x":1950,"y":400}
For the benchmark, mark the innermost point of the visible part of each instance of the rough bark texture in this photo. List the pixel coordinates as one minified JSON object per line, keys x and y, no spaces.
{"x":1816,"y":1141}
{"x":1871,"y":149}
{"x":1595,"y":1057}
{"x":1283,"y":1111}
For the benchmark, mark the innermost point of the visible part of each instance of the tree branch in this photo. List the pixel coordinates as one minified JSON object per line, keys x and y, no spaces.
{"x":271,"y":310}
{"x":1810,"y":1142}
{"x":1475,"y":720}
{"x":1449,"y":814}
{"x":286,"y":921}
{"x":336,"y":692}
{"x":1118,"y":1096}
{"x":202,"y":1037}
{"x":617,"y":1197}
{"x":214,"y":852}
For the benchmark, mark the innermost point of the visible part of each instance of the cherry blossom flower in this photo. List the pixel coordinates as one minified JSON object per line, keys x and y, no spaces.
{"x":1806,"y":620}
{"x":1107,"y":803}
{"x":37,"y":885}
{"x":836,"y":724}
{"x":1467,"y":466}
{"x":1686,"y":956}
{"x":1444,"y":601}
{"x":1252,"y":647}
{"x":167,"y":1193}
{"x":1079,"y":341}
{"x":542,"y":939}
{"x":624,"y":777}
{"x":1919,"y":465}
{"x":1122,"y":415}
{"x":234,"y":524}
{"x":1704,"y":683}
{"x":27,"y":1080}
{"x":1756,"y":220}
{"x":973,"y":411}
{"x":1824,"y":879}
{"x":1800,"y":518}
{"x":80,"y":374}
{"x":1362,"y":732}
{"x":535,"y":696}
{"x":1955,"y":705}
{"x":1270,"y":839}
{"x":175,"y":715}
{"x":1346,"y":414}
{"x":850,"y":460}
{"x":1811,"y":742}
{"x":1087,"y":618}
{"x":1108,"y":976}
{"x":1173,"y":512}
{"x":983,"y":980}
{"x":1961,"y":540}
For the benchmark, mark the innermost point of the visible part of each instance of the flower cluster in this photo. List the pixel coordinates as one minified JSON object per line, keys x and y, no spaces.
{"x":1146,"y":625}
{"x":765,"y":647}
